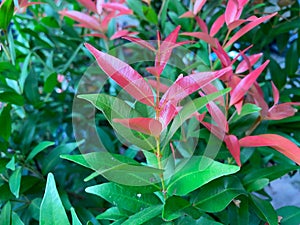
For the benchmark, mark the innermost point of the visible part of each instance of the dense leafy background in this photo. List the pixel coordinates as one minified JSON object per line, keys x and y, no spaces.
{"x":37,"y":186}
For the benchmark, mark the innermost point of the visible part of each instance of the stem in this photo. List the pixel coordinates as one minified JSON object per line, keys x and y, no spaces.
{"x":255,"y":125}
{"x":158,"y":156}
{"x":226,"y":38}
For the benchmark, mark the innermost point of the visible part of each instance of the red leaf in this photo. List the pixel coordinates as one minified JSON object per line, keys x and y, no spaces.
{"x":281,"y":111}
{"x":89,"y":4}
{"x":275,"y":141}
{"x":99,"y":35}
{"x":187,"y":14}
{"x":140,"y":42}
{"x":222,"y":55}
{"x":231,"y":11}
{"x":275,"y":93}
{"x":99,"y":7}
{"x":247,"y":28}
{"x":198,"y":6}
{"x":245,"y":84}
{"x":233,"y":146}
{"x":122,"y":33}
{"x":167,"y":114}
{"x":85,"y":19}
{"x":244,"y":65}
{"x":148,"y":126}
{"x":202,"y":24}
{"x":184,"y":86}
{"x":117,"y":6}
{"x":124,"y":75}
{"x":203,"y":36}
{"x":217,"y":25}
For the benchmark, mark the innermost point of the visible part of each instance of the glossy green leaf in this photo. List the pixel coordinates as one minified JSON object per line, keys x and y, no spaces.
{"x":50,"y":83}
{"x":150,"y":15}
{"x":137,"y":7}
{"x":31,"y":88}
{"x":12,"y":97}
{"x":257,"y":185}
{"x":279,"y":77}
{"x":52,"y":211}
{"x":117,"y":168}
{"x":113,"y":107}
{"x":124,"y":198}
{"x":5,"y":216}
{"x":176,"y":206}
{"x":144,"y":215}
{"x":6,"y":13}
{"x":292,"y":60}
{"x":34,"y":208}
{"x":112,"y":213}
{"x":246,"y":110}
{"x":24,"y":72}
{"x":206,"y":221}
{"x":50,"y":21}
{"x":290,"y":215}
{"x":217,"y":195}
{"x":8,"y":70}
{"x":265,"y":210}
{"x":15,"y":219}
{"x":197,"y":172}
{"x":6,"y":123}
{"x":15,"y":182}
{"x":11,"y":164}
{"x":40,"y":147}
{"x":162,"y":16}
{"x":75,"y":220}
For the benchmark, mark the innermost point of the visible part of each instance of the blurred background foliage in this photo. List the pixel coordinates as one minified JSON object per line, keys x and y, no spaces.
{"x":42,"y":60}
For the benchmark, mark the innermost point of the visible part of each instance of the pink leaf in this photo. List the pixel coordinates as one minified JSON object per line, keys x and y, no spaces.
{"x":124,"y":75}
{"x":167,"y":114}
{"x":209,"y":89}
{"x":99,"y":7}
{"x":275,"y":141}
{"x":117,"y":6}
{"x":222,"y":55}
{"x":247,"y":28}
{"x":243,"y":66}
{"x":233,"y":146}
{"x":105,"y":21}
{"x":275,"y":93}
{"x":155,"y":71}
{"x":85,"y":19}
{"x":217,"y":25}
{"x":202,"y":24}
{"x":89,"y":4}
{"x":122,"y":33}
{"x":161,"y":87}
{"x":140,"y":42}
{"x":282,"y":111}
{"x":203,"y":36}
{"x":198,"y":6}
{"x":148,"y":126}
{"x":184,"y":86}
{"x":245,"y":84}
{"x":187,"y":14}
{"x":99,"y":35}
{"x":231,"y":11}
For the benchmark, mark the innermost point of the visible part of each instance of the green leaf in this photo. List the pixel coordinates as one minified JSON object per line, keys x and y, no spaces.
{"x":11,"y":164}
{"x":113,"y":107}
{"x":112,"y":213}
{"x":31,"y":88}
{"x":24,"y":72}
{"x":75,"y":220}
{"x":137,"y":7}
{"x":5,"y":216}
{"x":15,"y":182}
{"x":265,"y":210}
{"x":206,"y":221}
{"x":50,"y":83}
{"x":197,"y":172}
{"x":290,"y":215}
{"x":176,"y":206}
{"x":292,"y":60}
{"x":258,"y":184}
{"x":50,"y":21}
{"x":8,"y":70}
{"x":52,"y":211}
{"x":217,"y":195}
{"x":12,"y":97}
{"x":150,"y":15}
{"x":6,"y":13}
{"x":52,"y":159}
{"x":71,"y":59}
{"x":34,"y":208}
{"x":123,"y":197}
{"x":117,"y":168}
{"x":5,"y":121}
{"x":16,"y":219}
{"x":189,"y":109}
{"x":37,"y":149}
{"x":246,"y":110}
{"x":144,"y":215}
{"x":279,"y":77}
{"x":162,"y":16}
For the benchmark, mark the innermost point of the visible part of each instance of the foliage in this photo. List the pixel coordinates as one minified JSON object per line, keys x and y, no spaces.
{"x":197,"y":111}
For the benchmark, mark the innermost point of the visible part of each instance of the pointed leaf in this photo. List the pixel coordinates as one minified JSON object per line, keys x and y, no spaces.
{"x":233,"y":146}
{"x":198,"y":6}
{"x":122,"y":33}
{"x":85,"y":19}
{"x":290,"y":215}
{"x":247,"y":64}
{"x":217,"y":25}
{"x":282,"y":111}
{"x":148,"y":126}
{"x":52,"y":211}
{"x":140,"y":42}
{"x":124,"y":198}
{"x":217,"y":195}
{"x":275,"y":93}
{"x":37,"y":149}
{"x":247,"y":28}
{"x":265,"y":210}
{"x":89,"y":4}
{"x":144,"y":215}
{"x":75,"y":220}
{"x":245,"y":84}
{"x":124,"y":75}
{"x":203,"y":36}
{"x":231,"y":11}
{"x":197,"y":172}
{"x":281,"y":144}
{"x":15,"y":182}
